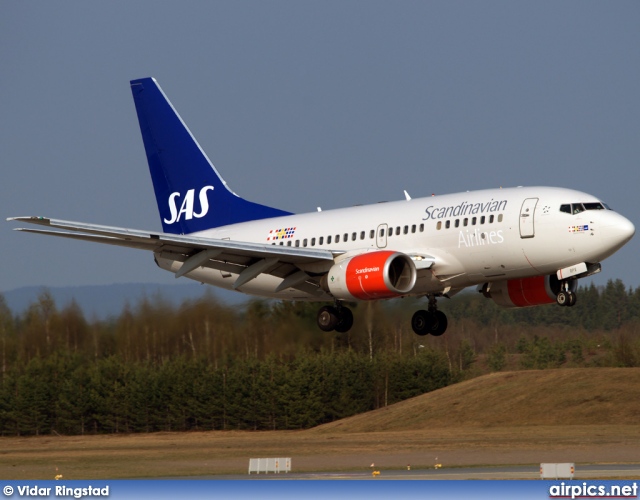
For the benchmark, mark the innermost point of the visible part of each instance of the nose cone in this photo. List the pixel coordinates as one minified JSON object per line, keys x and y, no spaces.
{"x":624,"y":230}
{"x":618,"y":230}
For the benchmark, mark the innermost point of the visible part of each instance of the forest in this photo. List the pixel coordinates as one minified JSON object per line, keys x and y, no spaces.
{"x":265,"y":365}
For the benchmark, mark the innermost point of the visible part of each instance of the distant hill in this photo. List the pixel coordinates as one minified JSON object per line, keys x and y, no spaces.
{"x":104,"y":301}
{"x":576,"y":396}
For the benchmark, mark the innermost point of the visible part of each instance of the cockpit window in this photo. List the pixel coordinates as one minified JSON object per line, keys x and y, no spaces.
{"x":593,"y":206}
{"x":576,"y":208}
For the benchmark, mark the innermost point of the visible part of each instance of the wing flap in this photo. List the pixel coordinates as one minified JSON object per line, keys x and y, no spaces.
{"x":141,"y":245}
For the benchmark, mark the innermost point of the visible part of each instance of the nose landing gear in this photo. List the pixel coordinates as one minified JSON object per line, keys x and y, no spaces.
{"x":566,"y":296}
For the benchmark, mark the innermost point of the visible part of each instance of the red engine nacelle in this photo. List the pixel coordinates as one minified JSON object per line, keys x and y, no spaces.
{"x":525,"y":292}
{"x":372,"y":275}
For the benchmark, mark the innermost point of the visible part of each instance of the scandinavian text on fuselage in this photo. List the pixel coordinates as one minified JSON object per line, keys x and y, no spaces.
{"x":464,"y":208}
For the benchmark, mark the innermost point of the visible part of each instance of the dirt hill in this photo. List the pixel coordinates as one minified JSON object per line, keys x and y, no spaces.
{"x":580,"y":396}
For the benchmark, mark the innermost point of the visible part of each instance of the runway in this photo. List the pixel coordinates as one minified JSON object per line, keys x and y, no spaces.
{"x":583,"y":472}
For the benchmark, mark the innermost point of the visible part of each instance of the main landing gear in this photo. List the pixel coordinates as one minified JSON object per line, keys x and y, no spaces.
{"x":338,"y":318}
{"x":429,"y":322}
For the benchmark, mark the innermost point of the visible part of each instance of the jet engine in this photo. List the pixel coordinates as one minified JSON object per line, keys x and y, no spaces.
{"x":371,"y":276}
{"x":525,"y":292}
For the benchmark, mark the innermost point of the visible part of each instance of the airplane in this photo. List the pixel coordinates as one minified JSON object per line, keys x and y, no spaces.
{"x":522,"y":246}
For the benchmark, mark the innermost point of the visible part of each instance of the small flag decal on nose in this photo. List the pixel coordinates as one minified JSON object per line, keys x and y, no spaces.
{"x":578,"y":229}
{"x":281,"y":234}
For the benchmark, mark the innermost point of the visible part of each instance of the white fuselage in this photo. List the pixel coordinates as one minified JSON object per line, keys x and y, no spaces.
{"x":474,"y":237}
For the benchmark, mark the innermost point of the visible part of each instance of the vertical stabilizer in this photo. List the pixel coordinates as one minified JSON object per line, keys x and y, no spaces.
{"x":190,"y":193}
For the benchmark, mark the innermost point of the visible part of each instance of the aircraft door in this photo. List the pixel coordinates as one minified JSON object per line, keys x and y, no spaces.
{"x":527,"y":228}
{"x":381,"y":235}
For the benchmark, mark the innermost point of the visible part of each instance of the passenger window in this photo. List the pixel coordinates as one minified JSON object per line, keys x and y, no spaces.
{"x":313,"y":242}
{"x":297,"y":243}
{"x":346,"y":237}
{"x":491,"y":219}
{"x":465,"y":222}
{"x":421,"y":228}
{"x":372,"y":234}
{"x":438,"y":225}
{"x":473,"y":221}
{"x":397,"y":230}
{"x":500,"y":218}
{"x":482,"y":220}
{"x":565,"y":208}
{"x":413,"y":228}
{"x":289,"y":243}
{"x":447,"y":224}
{"x":304,"y":242}
{"x":382,"y":233}
{"x":281,"y":243}
{"x":406,"y":229}
{"x":337,"y":238}
{"x":457,"y":224}
{"x":321,"y":240}
{"x":328,"y":240}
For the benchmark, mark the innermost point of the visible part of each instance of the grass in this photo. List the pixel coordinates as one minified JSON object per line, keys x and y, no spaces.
{"x":577,"y":415}
{"x":579,"y":396}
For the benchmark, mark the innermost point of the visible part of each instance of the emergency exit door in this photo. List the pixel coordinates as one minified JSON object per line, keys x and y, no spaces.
{"x":381,"y":235}
{"x":527,"y":226}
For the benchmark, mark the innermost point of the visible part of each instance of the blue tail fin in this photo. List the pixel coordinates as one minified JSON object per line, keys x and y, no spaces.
{"x":190,"y":193}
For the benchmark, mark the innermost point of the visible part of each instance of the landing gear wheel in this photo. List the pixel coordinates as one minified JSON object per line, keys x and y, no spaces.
{"x":563,"y":298}
{"x":572,"y":299}
{"x":345,"y":320}
{"x":327,"y":318}
{"x":422,"y":322}
{"x":439,"y":323}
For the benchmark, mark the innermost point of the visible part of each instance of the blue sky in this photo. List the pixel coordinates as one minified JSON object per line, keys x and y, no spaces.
{"x":303,"y":104}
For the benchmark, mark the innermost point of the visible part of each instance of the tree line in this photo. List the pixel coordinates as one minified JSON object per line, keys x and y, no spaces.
{"x":66,"y":395}
{"x":205,"y":365}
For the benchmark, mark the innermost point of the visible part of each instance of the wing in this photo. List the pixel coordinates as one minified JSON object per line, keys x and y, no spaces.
{"x":298,"y":267}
